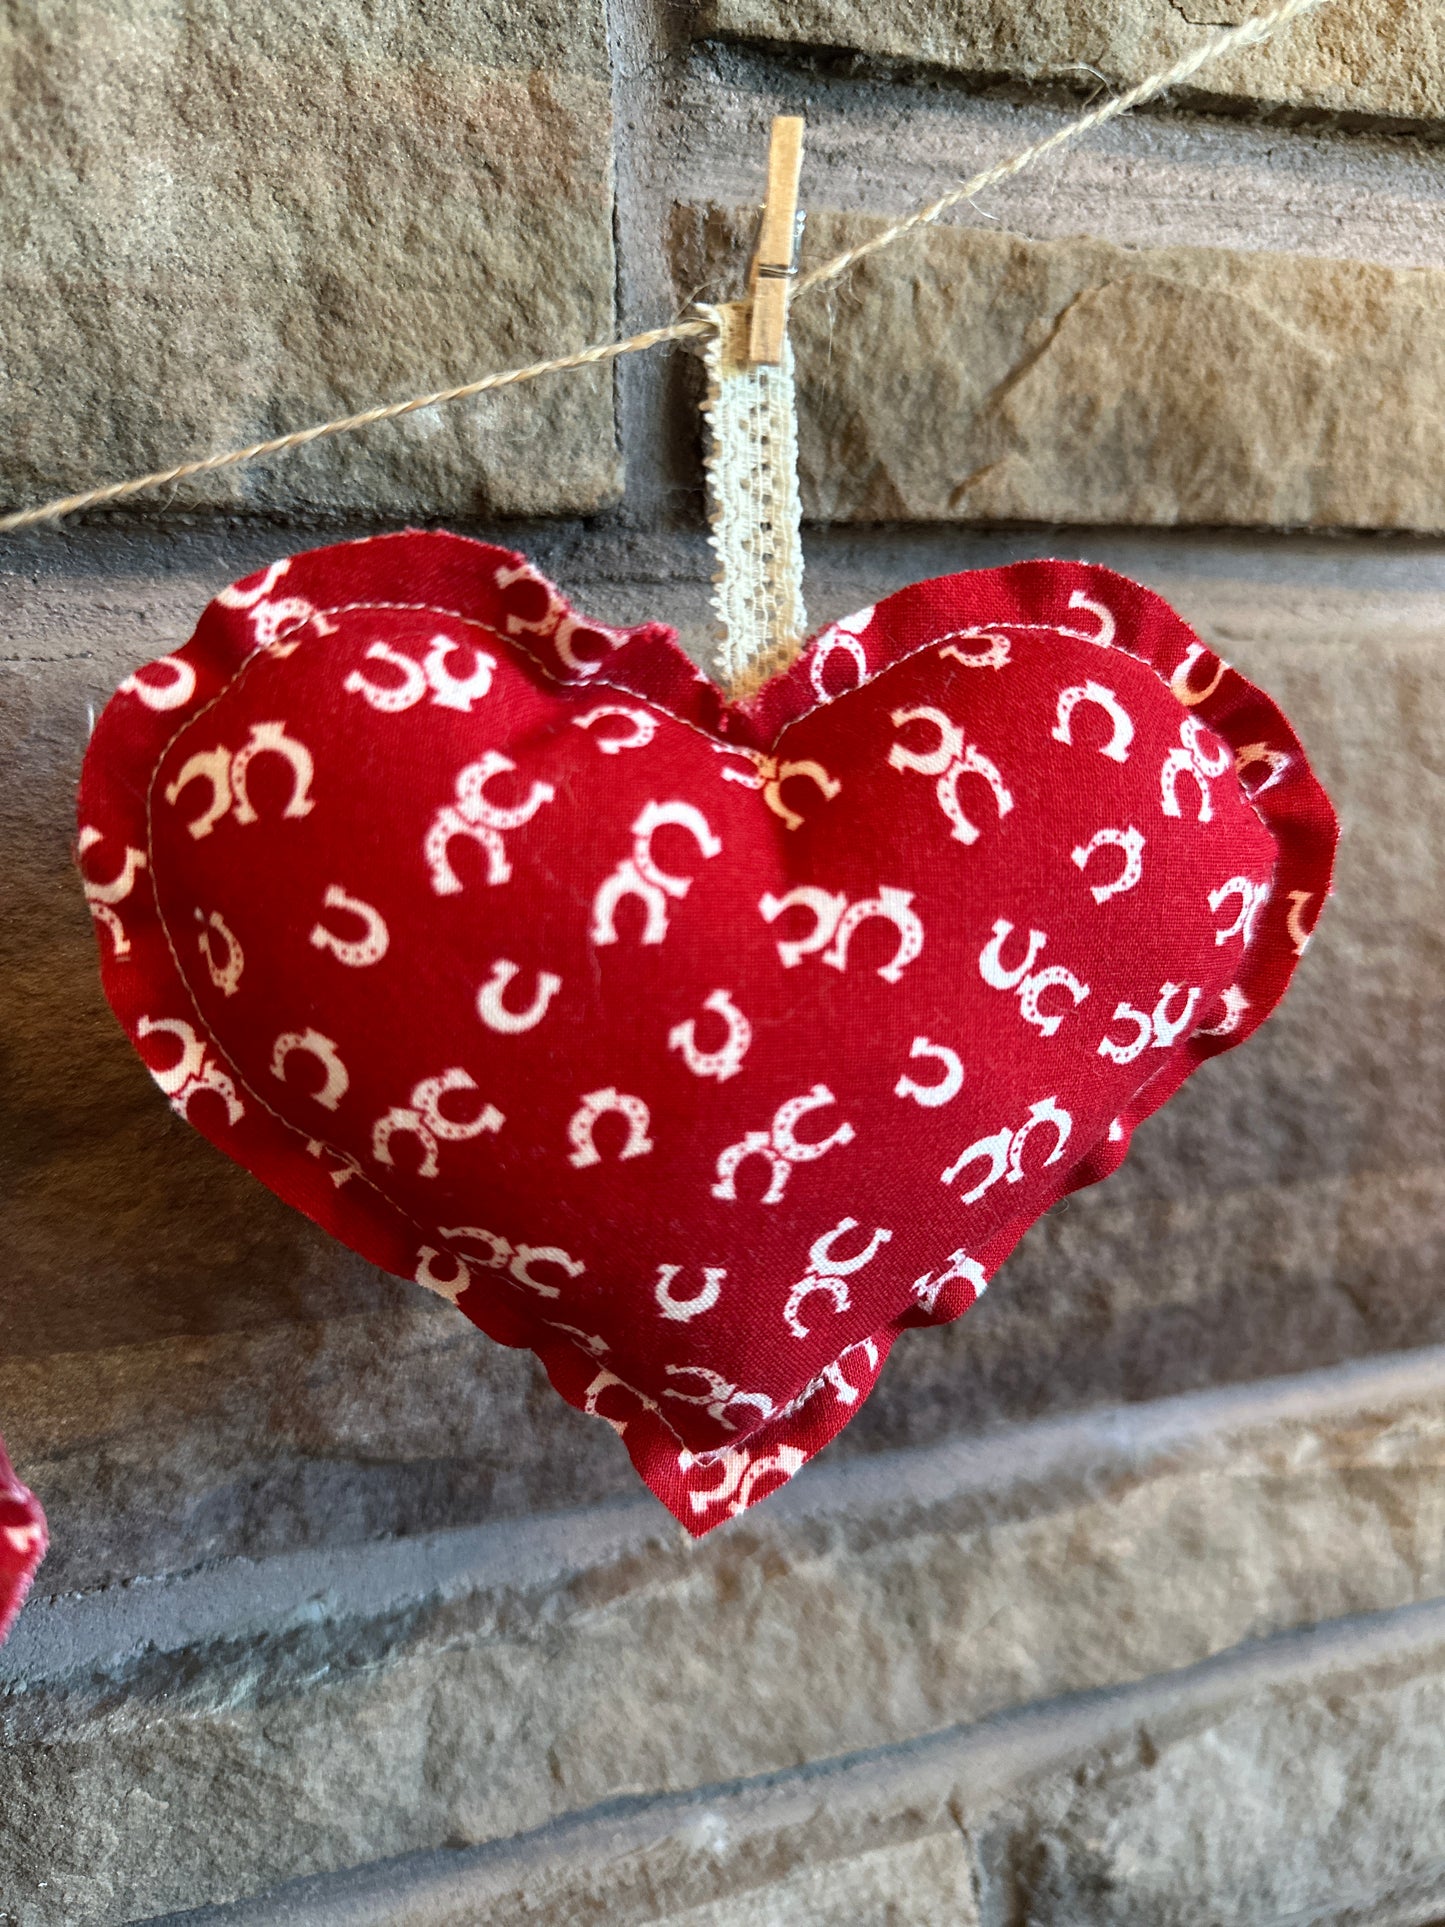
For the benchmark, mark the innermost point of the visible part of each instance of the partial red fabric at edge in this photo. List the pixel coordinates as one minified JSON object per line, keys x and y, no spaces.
{"x":22,"y":1542}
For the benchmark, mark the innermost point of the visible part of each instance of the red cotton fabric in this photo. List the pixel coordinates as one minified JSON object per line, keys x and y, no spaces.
{"x":701,"y":1047}
{"x":22,"y":1542}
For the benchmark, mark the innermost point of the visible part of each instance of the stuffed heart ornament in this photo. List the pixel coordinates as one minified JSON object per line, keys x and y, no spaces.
{"x":701,"y":1047}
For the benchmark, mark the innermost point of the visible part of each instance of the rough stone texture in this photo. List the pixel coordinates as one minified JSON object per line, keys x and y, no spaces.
{"x":979,"y":376}
{"x":466,"y":1688}
{"x":219,"y":228}
{"x":1299,"y":1785}
{"x":1312,"y":1795}
{"x":808,"y":1848}
{"x":192,"y":1370}
{"x":1374,"y":60}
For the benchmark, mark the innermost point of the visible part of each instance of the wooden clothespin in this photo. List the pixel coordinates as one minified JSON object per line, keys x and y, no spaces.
{"x":774,"y":264}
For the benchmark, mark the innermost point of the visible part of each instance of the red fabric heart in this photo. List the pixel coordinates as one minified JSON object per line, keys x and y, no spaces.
{"x":22,"y":1542}
{"x":700,"y":1047}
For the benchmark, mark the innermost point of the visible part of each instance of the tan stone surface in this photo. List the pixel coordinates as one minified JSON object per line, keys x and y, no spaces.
{"x":222,"y":225}
{"x":926,"y":1883}
{"x":356,"y":1717}
{"x":1381,"y":59}
{"x":977,"y":376}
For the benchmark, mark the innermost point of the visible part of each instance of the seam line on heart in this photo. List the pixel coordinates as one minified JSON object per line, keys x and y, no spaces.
{"x":705,"y":1456}
{"x":257,"y":654}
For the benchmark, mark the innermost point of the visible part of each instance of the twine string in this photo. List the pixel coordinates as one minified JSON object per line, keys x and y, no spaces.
{"x":1222,"y":41}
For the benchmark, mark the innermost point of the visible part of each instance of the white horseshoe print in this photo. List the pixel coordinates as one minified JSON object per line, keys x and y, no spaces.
{"x":1131,"y":843}
{"x":211,"y":766}
{"x":1048,"y":1112}
{"x":995,"y":1149}
{"x":727,"y":1060}
{"x":680,"y":1310}
{"x":1167,"y":1028}
{"x":426,"y":1101}
{"x":844,"y":1390}
{"x":1180,"y":762}
{"x":235,"y":597}
{"x":604,"y":1382}
{"x":511,"y":1023}
{"x":820,"y":1252}
{"x":344,"y":1170}
{"x":122,"y":883}
{"x":677,"y":815}
{"x":174,"y":693}
{"x":993,"y":657}
{"x":449,"y":1288}
{"x":1053,"y":976}
{"x":779,"y":1146}
{"x":271,"y":738}
{"x":526,"y":1256}
{"x":785,"y":1122}
{"x":643,"y":727}
{"x":973,"y":762}
{"x":758,"y":765}
{"x":640,"y":875}
{"x":826,"y":909}
{"x":596,"y":1104}
{"x":1104,"y":638}
{"x":843,"y":635}
{"x":1179,"y":681}
{"x":571,"y":626}
{"x":990,"y":959}
{"x":930,"y":1096}
{"x":392,"y":697}
{"x":499,"y":1250}
{"x":719,"y":1396}
{"x":472,"y":797}
{"x":805,"y":1287}
{"x":619,"y":884}
{"x":211,"y":1078}
{"x":101,"y":898}
{"x":436,"y":848}
{"x":892,"y":906}
{"x":958,"y":1268}
{"x":1192,"y":736}
{"x":312,"y":1044}
{"x":1235,"y":1005}
{"x":1252,"y":899}
{"x":225,"y":973}
{"x":528,"y":625}
{"x":1277,"y":761}
{"x":472,"y":815}
{"x":287,"y":616}
{"x":1117,"y":747}
{"x":739,"y":1474}
{"x":105,"y":918}
{"x":589,"y":1341}
{"x":932,"y":762}
{"x":753,"y":1144}
{"x":399,"y":1119}
{"x":774,"y":775}
{"x":357,"y":953}
{"x":1144,"y":1030}
{"x":826,"y":1272}
{"x":457,"y":692}
{"x":192,"y":1057}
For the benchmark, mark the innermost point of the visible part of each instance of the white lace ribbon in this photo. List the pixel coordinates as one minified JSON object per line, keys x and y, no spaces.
{"x":752,"y":472}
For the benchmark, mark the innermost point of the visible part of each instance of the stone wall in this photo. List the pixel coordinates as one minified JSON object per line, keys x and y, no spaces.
{"x":1123,"y":1600}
